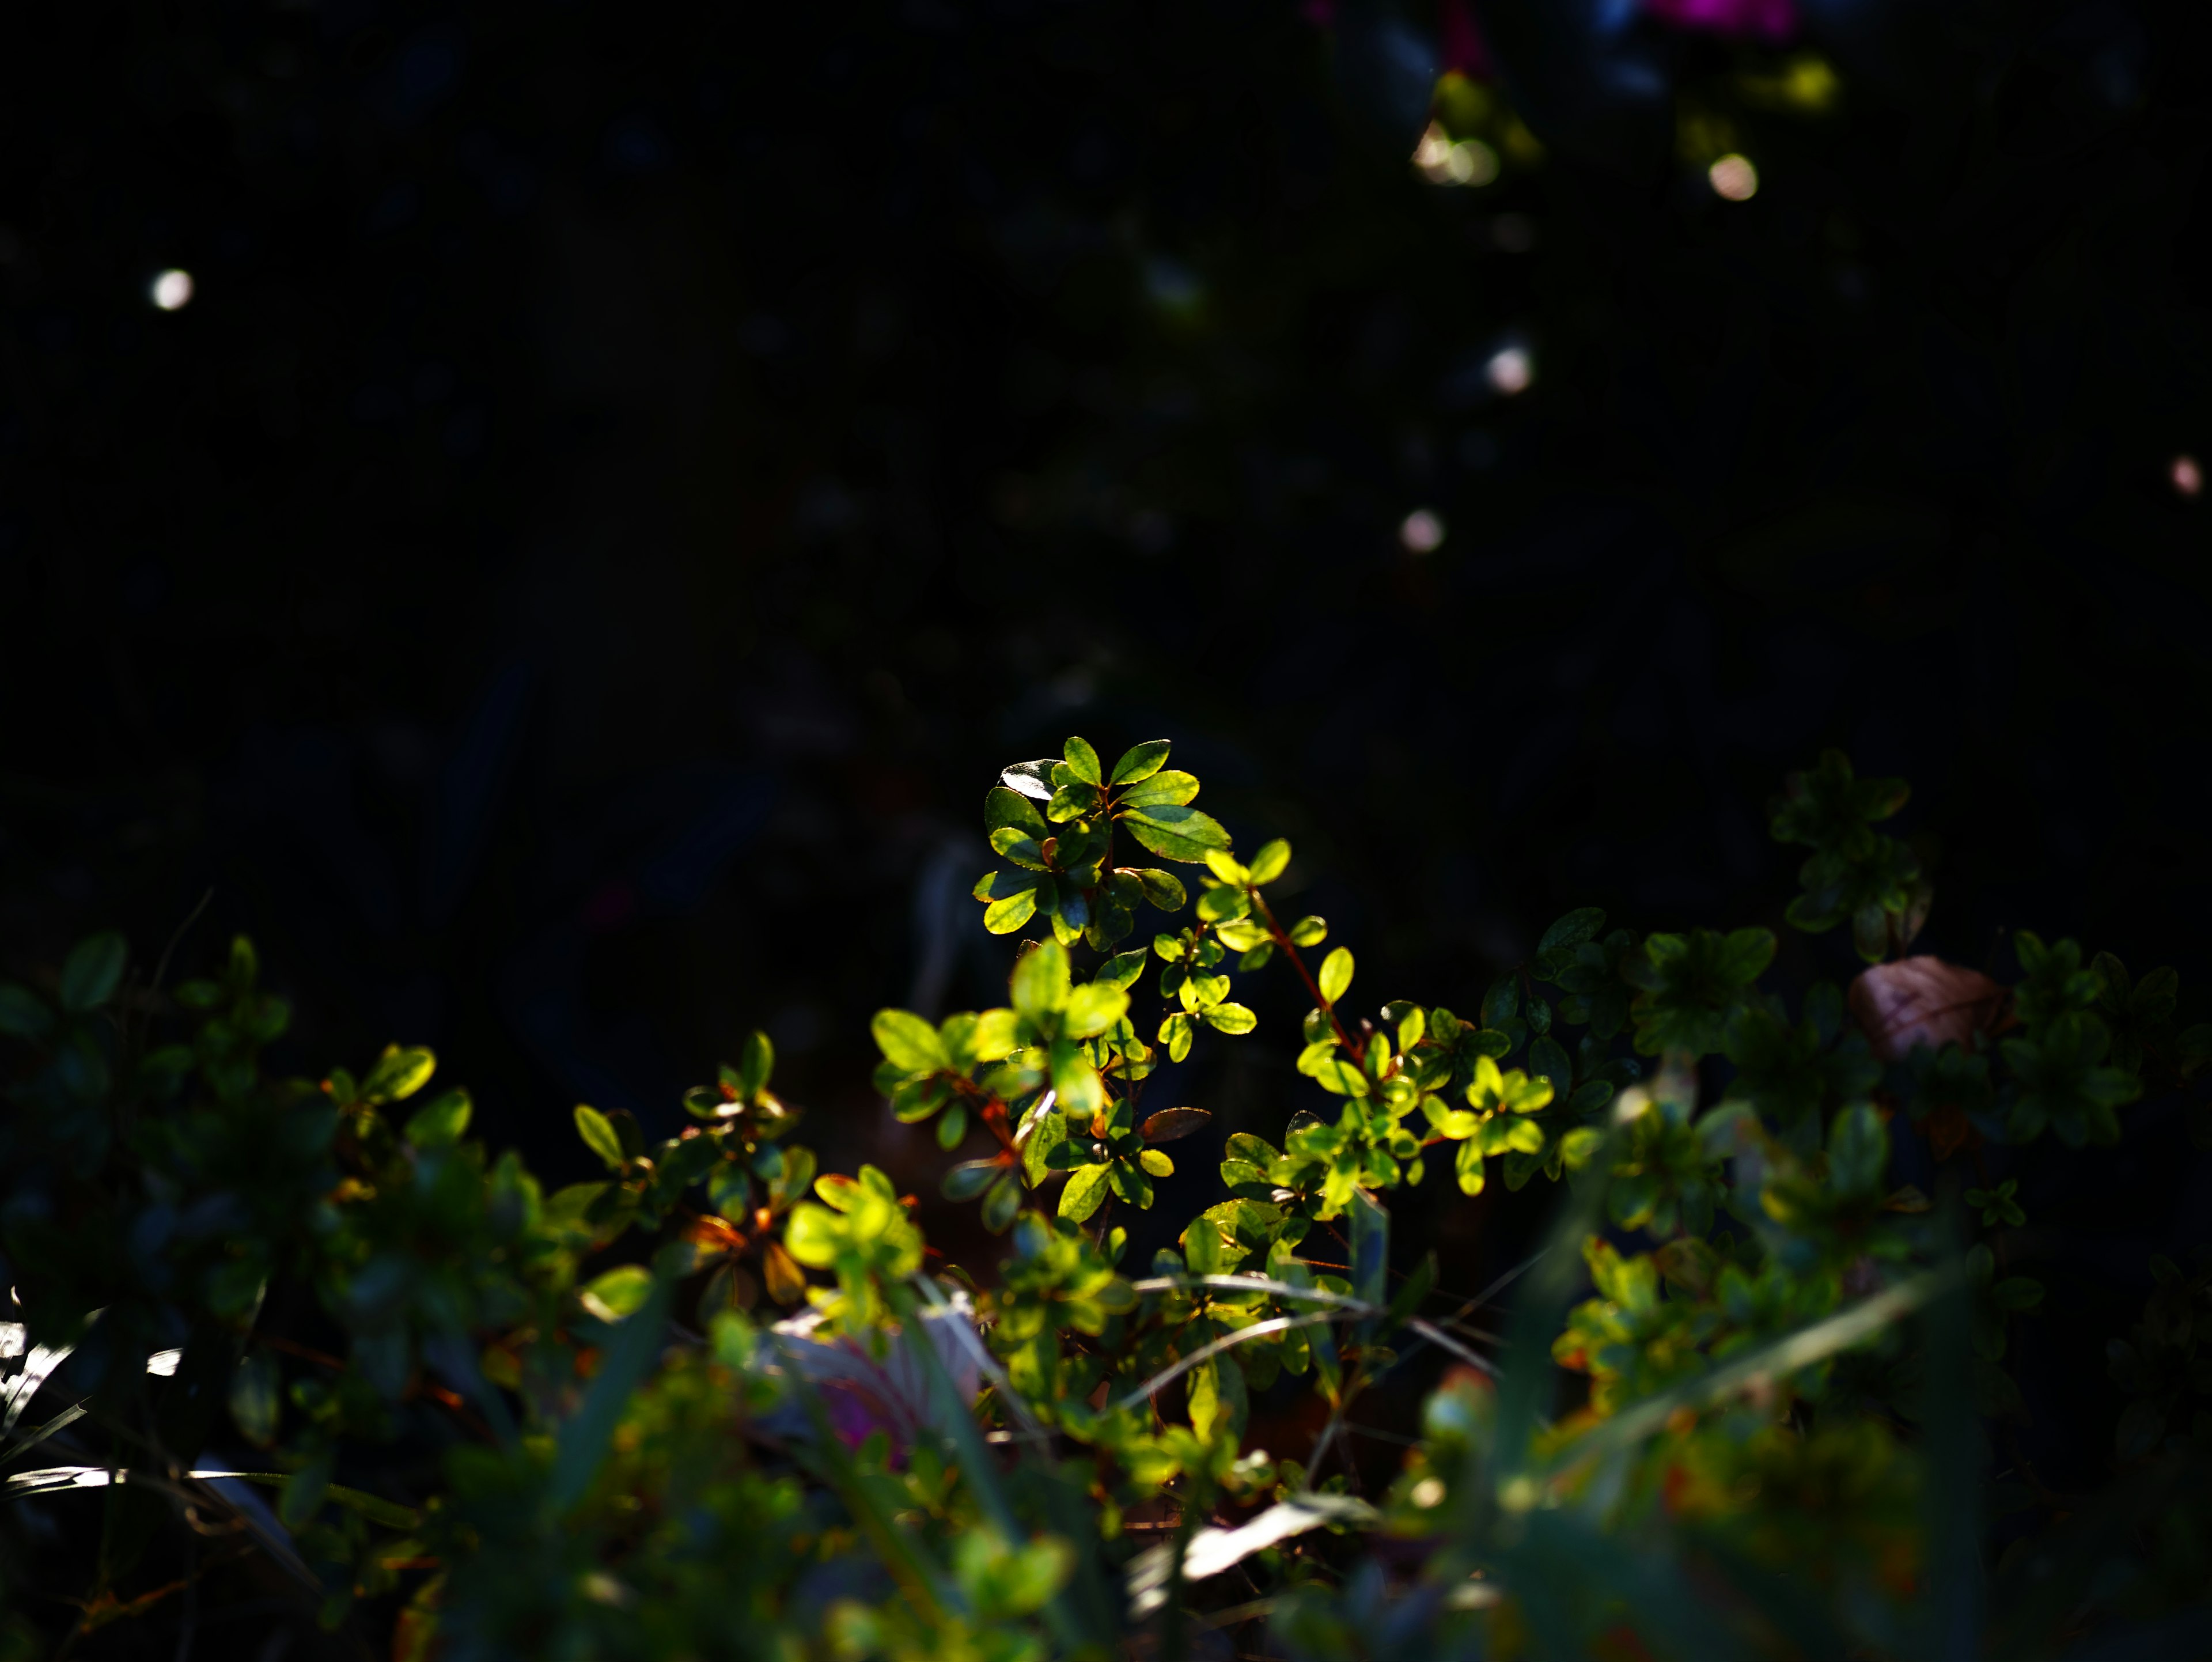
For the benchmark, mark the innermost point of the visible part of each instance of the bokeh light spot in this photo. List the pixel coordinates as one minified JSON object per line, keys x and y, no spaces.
{"x":1442,"y":160}
{"x":1511,"y":370}
{"x":173,"y":290}
{"x":1733,"y":179}
{"x":1423,"y":532}
{"x":2187,"y":474}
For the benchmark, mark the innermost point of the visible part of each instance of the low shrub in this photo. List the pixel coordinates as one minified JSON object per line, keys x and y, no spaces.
{"x":282,"y":1339}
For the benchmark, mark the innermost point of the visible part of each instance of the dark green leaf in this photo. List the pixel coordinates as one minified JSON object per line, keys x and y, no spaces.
{"x":92,"y":972}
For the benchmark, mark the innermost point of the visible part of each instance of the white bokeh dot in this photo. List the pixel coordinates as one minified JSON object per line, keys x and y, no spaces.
{"x":1422,"y":532}
{"x":1511,"y":370}
{"x":173,"y":290}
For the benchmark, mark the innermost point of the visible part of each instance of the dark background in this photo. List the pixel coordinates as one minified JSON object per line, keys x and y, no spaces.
{"x":628,"y":478}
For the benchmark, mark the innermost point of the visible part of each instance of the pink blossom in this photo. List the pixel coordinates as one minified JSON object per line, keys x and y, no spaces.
{"x":1776,"y":20}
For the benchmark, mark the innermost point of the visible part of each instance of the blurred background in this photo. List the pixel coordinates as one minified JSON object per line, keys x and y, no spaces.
{"x":550,"y":516}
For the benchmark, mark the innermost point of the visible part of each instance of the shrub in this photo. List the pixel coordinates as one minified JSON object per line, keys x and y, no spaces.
{"x":494,"y":1422}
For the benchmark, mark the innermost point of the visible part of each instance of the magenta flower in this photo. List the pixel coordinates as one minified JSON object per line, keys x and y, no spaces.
{"x":1776,"y":20}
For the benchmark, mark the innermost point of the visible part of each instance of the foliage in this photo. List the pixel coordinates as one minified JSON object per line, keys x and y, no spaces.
{"x":500,"y":1422}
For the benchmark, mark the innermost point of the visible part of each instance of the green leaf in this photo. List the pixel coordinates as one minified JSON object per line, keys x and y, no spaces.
{"x":1122,"y":970}
{"x":1164,"y":890}
{"x":257,"y":1397}
{"x":952,"y":1127}
{"x":1231,"y":1019}
{"x":1270,"y":863}
{"x":1858,"y":1151}
{"x":1156,"y":1164}
{"x":1019,"y":846}
{"x":1074,"y":1080}
{"x":1141,"y":762}
{"x":1009,"y":810}
{"x":1176,"y":833}
{"x":1040,"y":982}
{"x":1176,"y":1034}
{"x":1309,"y":931}
{"x":995,"y":1035}
{"x":439,"y":1123}
{"x":23,"y":1012}
{"x":399,"y":1075}
{"x":755,"y":1063}
{"x":92,"y":972}
{"x":1171,"y":789}
{"x":1225,"y":867}
{"x":619,"y":1293}
{"x":1217,"y":905}
{"x":1006,"y":915}
{"x":1335,"y":977}
{"x":908,"y":1042}
{"x":1000,"y":1202}
{"x":1091,"y":1010}
{"x":1085,"y":1191}
{"x":1049,"y":1134}
{"x":971,"y":1177}
{"x":599,"y":1133}
{"x":1577,"y":926}
{"x":1083,"y":761}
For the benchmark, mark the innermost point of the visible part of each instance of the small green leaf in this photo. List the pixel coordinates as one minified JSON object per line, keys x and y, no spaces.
{"x":1176,"y":833}
{"x":1085,"y":1191}
{"x":1091,"y":1009}
{"x":1164,"y":890}
{"x":1000,"y":1202}
{"x":755,"y":1063}
{"x":907,"y":1042}
{"x":1157,"y":1163}
{"x":620,"y":1293}
{"x":92,"y":972}
{"x":1020,"y":847}
{"x":439,"y":1123}
{"x":1141,"y":762}
{"x":1040,"y":982}
{"x":1571,"y":931}
{"x":971,"y":1177}
{"x":399,"y":1075}
{"x":1171,"y":789}
{"x":1083,"y":761}
{"x":599,"y":1133}
{"x":1122,"y":971}
{"x":1336,"y":974}
{"x":1231,"y":1019}
{"x":1176,"y":1034}
{"x":1009,"y":810}
{"x":1273,"y":859}
{"x":1006,"y":915}
{"x":1309,"y":931}
{"x":257,"y":1397}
